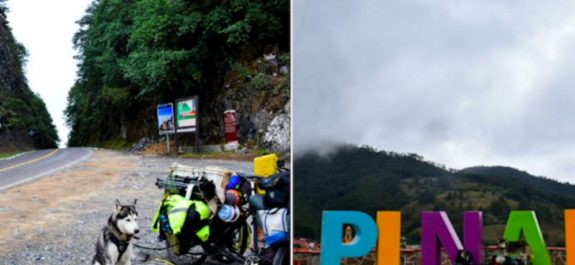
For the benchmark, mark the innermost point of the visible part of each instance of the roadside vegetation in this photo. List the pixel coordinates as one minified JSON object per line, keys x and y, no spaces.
{"x":7,"y":155}
{"x":135,"y":54}
{"x":24,"y":120}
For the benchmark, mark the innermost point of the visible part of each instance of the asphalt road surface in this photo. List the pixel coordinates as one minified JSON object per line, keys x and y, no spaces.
{"x":32,"y":165}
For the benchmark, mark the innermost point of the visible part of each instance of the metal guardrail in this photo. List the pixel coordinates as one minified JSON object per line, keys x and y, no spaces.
{"x":409,"y":256}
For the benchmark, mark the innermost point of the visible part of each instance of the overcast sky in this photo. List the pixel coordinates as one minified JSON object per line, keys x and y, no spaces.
{"x":46,"y":29}
{"x":462,"y":83}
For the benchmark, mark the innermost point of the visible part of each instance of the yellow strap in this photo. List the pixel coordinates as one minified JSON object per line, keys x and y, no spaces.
{"x":164,"y":261}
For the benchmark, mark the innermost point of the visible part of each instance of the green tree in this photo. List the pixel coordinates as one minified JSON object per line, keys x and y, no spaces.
{"x":23,"y":114}
{"x":135,"y":54}
{"x":500,"y":207}
{"x":3,"y":8}
{"x":426,"y":197}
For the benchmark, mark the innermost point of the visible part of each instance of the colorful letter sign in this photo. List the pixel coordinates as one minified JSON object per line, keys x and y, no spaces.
{"x":436,"y":232}
{"x":388,"y":245}
{"x":570,"y":236}
{"x":332,"y":247}
{"x":436,"y":229}
{"x":525,"y":223}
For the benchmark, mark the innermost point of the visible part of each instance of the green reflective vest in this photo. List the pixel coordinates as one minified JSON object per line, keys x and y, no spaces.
{"x":176,"y":207}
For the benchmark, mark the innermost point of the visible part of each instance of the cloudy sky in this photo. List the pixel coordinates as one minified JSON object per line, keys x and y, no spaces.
{"x":462,"y":83}
{"x":46,"y":29}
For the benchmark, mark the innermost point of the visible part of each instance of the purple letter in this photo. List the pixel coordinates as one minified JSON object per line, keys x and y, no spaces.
{"x":436,"y":228}
{"x":473,"y":235}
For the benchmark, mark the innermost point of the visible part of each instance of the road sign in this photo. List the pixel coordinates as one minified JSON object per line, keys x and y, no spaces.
{"x":166,"y":118}
{"x":187,"y":119}
{"x":187,"y":114}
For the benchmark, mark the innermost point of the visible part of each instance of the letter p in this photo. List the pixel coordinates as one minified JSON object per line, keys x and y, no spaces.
{"x":332,"y":247}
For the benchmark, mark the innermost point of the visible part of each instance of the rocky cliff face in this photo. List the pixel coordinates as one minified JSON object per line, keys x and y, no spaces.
{"x":24,"y":120}
{"x":259,"y":92}
{"x":277,"y":136}
{"x":257,"y":89}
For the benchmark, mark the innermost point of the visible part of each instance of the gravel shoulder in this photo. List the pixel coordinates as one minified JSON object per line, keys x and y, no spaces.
{"x":57,"y":219}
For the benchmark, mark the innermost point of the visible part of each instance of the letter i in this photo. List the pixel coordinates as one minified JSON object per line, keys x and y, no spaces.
{"x":388,"y":245}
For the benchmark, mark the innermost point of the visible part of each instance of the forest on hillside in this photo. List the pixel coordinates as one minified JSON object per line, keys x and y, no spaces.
{"x":135,"y":54}
{"x":365,"y":179}
{"x":24,"y":120}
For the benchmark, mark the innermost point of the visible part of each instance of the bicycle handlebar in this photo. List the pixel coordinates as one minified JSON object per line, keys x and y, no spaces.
{"x":183,"y":182}
{"x":164,"y":183}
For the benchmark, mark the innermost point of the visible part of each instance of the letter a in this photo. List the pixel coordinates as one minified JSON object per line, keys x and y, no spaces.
{"x":526,"y":222}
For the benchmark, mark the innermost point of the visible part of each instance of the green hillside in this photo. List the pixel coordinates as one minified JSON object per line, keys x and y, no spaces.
{"x":135,"y":54}
{"x":365,"y":179}
{"x":24,"y":120}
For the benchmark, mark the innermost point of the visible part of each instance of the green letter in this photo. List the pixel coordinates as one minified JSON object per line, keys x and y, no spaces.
{"x":526,"y":222}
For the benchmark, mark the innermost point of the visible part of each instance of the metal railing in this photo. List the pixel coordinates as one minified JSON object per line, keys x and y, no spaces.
{"x":409,"y":256}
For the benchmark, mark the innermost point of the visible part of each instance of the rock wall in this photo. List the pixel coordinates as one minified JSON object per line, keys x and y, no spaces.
{"x":277,"y":133}
{"x":259,"y":92}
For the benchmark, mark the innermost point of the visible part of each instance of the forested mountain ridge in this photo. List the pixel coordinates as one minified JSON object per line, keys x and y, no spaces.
{"x":135,"y":54}
{"x":24,"y":120}
{"x":365,"y":179}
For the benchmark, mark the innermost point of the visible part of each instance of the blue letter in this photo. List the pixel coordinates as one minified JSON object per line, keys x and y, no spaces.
{"x":332,"y":247}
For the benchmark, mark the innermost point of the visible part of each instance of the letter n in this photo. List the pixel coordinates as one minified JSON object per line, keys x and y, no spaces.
{"x":437,"y":229}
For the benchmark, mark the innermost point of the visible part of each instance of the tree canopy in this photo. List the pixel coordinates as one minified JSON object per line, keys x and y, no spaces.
{"x":24,"y":118}
{"x":3,"y":7}
{"x":134,"y":54}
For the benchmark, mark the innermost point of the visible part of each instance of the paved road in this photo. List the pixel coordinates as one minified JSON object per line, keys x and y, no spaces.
{"x":33,"y":165}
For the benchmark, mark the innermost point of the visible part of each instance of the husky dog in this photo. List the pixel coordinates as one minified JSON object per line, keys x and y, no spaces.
{"x":114,"y":246}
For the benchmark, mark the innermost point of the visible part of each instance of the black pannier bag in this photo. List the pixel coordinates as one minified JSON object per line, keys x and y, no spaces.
{"x":277,"y":189}
{"x":188,"y":238}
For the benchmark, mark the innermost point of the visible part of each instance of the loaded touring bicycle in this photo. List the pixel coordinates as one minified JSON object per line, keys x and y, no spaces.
{"x":215,"y":215}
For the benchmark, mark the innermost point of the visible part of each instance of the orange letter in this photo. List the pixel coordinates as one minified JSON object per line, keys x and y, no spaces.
{"x":570,"y":236}
{"x":389,"y":226}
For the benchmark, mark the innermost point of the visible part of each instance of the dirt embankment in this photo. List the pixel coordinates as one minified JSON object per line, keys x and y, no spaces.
{"x":53,"y":201}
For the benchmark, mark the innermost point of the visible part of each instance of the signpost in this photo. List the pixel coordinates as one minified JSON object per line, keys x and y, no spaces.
{"x":166,"y":121}
{"x":230,"y":122}
{"x":187,"y":114}
{"x":187,"y":118}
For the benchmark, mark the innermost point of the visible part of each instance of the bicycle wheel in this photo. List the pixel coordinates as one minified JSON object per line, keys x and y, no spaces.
{"x":194,"y":256}
{"x":282,"y":256}
{"x":241,"y":238}
{"x":235,"y":242}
